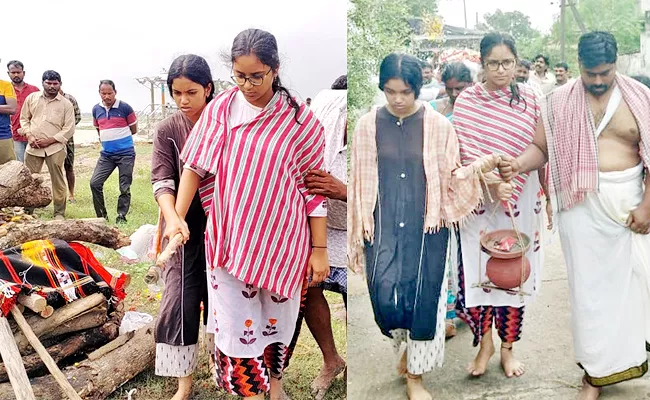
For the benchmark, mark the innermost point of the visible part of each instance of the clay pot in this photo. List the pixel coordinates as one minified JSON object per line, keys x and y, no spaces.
{"x":488,"y":239}
{"x":506,"y":273}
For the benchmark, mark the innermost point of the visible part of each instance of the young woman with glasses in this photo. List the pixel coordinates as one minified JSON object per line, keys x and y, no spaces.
{"x":497,"y":117}
{"x":266,"y":235}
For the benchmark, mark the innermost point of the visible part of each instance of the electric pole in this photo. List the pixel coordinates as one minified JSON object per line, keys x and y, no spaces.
{"x":151,"y":83}
{"x":562,"y":31}
{"x":465,"y":12}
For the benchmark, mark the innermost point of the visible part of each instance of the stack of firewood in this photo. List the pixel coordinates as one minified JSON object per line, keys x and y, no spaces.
{"x":78,"y":343}
{"x":82,"y":338}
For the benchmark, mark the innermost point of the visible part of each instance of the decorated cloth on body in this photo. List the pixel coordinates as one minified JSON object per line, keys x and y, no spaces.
{"x":59,"y":271}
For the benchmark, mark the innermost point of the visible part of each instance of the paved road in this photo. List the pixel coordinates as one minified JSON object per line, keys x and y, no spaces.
{"x":546,"y":349}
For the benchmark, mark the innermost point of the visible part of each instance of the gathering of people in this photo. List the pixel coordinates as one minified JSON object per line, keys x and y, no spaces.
{"x":493,"y":151}
{"x":458,"y":169}
{"x":253,"y":179}
{"x":38,"y":127}
{"x":221,"y":168}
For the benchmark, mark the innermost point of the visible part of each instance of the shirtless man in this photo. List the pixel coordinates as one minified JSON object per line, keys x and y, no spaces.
{"x":596,"y":138}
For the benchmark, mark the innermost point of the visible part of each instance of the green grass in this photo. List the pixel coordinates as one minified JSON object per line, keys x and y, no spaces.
{"x":307,"y":359}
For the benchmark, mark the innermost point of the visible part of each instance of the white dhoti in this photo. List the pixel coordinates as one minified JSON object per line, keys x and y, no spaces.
{"x":608,"y":269}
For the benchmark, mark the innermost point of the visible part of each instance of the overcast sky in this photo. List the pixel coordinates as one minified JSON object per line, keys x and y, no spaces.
{"x":541,"y":12}
{"x":86,"y":41}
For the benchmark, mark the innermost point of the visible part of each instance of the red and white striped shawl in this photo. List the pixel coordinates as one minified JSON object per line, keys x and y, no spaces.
{"x":570,"y":136}
{"x":486,"y":124}
{"x":257,"y":225}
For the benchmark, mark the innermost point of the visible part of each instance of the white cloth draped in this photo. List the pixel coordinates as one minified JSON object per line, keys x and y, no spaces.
{"x":609,"y":276}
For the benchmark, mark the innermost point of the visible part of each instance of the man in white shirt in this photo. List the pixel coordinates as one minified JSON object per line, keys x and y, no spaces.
{"x":541,"y":76}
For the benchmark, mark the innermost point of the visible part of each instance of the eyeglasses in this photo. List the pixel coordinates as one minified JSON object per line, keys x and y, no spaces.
{"x":254,"y":80}
{"x":494,"y":65}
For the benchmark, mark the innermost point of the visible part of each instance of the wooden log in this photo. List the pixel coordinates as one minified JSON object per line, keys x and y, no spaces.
{"x":61,"y":380}
{"x":14,"y":367}
{"x":33,"y":301}
{"x":107,"y":348}
{"x":70,"y":230}
{"x":92,"y":318}
{"x":69,"y":347}
{"x":13,"y":177}
{"x":47,"y":312}
{"x":42,"y":326}
{"x":172,"y":247}
{"x":97,"y":379}
{"x":33,"y":195}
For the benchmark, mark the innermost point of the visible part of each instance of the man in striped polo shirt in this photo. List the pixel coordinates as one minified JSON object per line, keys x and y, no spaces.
{"x":116,"y":123}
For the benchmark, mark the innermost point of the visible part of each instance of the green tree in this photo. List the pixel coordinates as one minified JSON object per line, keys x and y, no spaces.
{"x":514,"y":23}
{"x":619,"y":17}
{"x":420,"y":8}
{"x":375,"y":29}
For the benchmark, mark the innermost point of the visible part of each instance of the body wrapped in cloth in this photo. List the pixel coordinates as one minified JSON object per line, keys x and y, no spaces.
{"x":60,"y":272}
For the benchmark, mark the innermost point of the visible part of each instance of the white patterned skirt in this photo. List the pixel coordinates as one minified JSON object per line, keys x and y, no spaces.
{"x":245,"y":319}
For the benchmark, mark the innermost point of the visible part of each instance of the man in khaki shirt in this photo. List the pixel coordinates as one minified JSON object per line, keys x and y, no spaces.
{"x":47,"y":120}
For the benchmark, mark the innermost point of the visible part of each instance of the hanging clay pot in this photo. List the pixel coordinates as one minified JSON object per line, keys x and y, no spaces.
{"x":490,"y":243}
{"x":506,"y":273}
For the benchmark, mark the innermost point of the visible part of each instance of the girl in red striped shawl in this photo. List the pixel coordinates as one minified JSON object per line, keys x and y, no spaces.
{"x":497,"y":117}
{"x":265,"y":233}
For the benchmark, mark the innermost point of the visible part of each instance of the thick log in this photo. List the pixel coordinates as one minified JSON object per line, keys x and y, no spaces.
{"x":95,"y":380}
{"x":47,"y":312}
{"x":14,"y":367}
{"x":67,"y":348}
{"x":90,"y":319}
{"x":33,"y":301}
{"x":60,"y":379}
{"x":42,"y":326}
{"x":91,"y":231}
{"x":33,"y":195}
{"x":13,"y":177}
{"x":111,"y":346}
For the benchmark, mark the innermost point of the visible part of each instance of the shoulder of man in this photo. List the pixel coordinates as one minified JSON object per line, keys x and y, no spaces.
{"x":125,"y":107}
{"x":70,"y":102}
{"x":96,"y":109}
{"x":32,"y":97}
{"x":7,"y":89}
{"x":70,"y":97}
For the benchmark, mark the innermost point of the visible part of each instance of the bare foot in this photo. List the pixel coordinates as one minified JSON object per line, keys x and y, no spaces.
{"x":401,"y":365}
{"x":324,"y":380}
{"x":450,"y":331}
{"x":588,"y":392}
{"x":415,"y":389}
{"x":277,"y":391}
{"x":511,"y":366}
{"x":182,"y":395}
{"x":184,"y":388}
{"x":478,"y":366}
